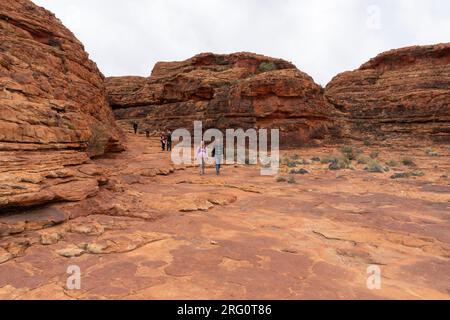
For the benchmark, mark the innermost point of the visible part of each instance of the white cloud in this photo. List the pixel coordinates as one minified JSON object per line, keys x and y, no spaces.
{"x":322,"y":37}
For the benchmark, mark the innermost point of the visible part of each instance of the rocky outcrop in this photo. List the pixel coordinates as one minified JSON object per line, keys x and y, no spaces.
{"x":241,"y":90}
{"x":402,"y":93}
{"x":53,"y":108}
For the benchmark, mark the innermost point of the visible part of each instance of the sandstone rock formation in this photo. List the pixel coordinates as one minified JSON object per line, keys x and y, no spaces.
{"x":400,"y":93}
{"x":53,"y":108}
{"x":241,"y":90}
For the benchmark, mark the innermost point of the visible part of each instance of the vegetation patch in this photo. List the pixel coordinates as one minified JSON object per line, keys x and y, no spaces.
{"x":340,"y":163}
{"x":405,"y":175}
{"x":362,"y":159}
{"x":350,"y":152}
{"x":374,"y":166}
{"x":267,"y":66}
{"x":299,"y":171}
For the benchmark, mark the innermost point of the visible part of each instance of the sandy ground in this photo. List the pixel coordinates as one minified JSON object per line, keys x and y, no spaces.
{"x":158,"y":232}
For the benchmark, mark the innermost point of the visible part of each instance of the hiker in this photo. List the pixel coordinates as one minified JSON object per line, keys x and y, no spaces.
{"x":169,"y":140}
{"x":147,"y":133}
{"x":135,"y":127}
{"x":202,"y":156}
{"x":217,"y":153}
{"x":163,"y":141}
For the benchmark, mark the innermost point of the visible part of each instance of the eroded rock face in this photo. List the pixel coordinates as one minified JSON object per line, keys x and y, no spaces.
{"x":241,"y":90}
{"x":400,"y":93}
{"x":53,"y":107}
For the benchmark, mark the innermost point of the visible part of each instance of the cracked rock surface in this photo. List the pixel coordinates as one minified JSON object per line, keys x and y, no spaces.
{"x":176,"y":235}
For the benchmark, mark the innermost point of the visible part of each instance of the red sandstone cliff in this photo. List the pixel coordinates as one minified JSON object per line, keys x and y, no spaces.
{"x":400,"y":93}
{"x":53,"y":107}
{"x":241,"y":90}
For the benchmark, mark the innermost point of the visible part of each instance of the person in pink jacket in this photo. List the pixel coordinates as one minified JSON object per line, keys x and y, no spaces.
{"x":202,"y":156}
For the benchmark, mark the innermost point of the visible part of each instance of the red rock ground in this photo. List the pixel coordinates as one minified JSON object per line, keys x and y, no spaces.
{"x":157,"y":232}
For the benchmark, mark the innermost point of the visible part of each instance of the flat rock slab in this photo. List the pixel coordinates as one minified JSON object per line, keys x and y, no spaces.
{"x":436,"y":189}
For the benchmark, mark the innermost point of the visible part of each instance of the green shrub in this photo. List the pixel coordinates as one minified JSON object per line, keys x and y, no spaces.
{"x":367,"y":142}
{"x":350,"y":152}
{"x":285,"y":160}
{"x":300,"y":171}
{"x":292,"y":164}
{"x":328,"y":159}
{"x":267,"y":66}
{"x":405,"y":175}
{"x":281,"y":179}
{"x":294,"y":161}
{"x":340,"y":163}
{"x":400,"y":175}
{"x":364,"y":159}
{"x":375,"y":167}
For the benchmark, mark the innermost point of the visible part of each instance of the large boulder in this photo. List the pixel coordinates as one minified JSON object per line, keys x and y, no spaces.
{"x":53,"y":107}
{"x":241,"y":90}
{"x":399,"y":94}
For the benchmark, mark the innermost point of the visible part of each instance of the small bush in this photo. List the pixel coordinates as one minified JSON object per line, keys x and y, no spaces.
{"x":291,"y":180}
{"x":267,"y":66}
{"x":364,"y":159}
{"x":350,"y":152}
{"x":340,"y":163}
{"x":375,"y":167}
{"x":300,"y":171}
{"x":367,"y":142}
{"x":316,"y":159}
{"x":405,"y":175}
{"x":281,"y":179}
{"x":400,"y":175}
{"x":294,"y":161}
{"x":328,"y":159}
{"x":292,"y":164}
{"x":409,"y":162}
{"x":285,"y":160}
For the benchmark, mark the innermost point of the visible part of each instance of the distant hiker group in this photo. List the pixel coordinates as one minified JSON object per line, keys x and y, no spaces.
{"x":202,"y":151}
{"x":166,"y":136}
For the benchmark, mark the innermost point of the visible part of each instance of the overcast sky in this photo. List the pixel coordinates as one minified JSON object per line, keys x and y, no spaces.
{"x":321,"y":37}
